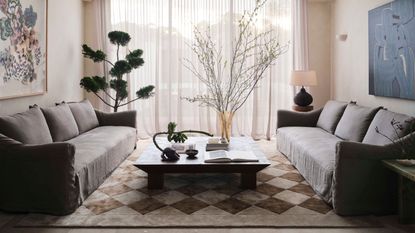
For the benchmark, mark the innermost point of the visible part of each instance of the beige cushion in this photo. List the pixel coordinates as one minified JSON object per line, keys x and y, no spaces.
{"x":28,"y":127}
{"x":84,"y":115}
{"x":330,"y":116}
{"x":383,"y":122}
{"x":354,"y":123}
{"x":61,"y":122}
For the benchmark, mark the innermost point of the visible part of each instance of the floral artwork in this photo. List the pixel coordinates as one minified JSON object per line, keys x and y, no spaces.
{"x":22,"y":48}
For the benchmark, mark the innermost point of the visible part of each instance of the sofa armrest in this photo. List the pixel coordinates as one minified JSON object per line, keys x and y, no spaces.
{"x":287,"y":118}
{"x":126,"y":118}
{"x":38,"y":178}
{"x":361,"y":184}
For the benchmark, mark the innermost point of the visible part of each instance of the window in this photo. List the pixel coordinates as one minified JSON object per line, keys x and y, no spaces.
{"x":164,"y":28}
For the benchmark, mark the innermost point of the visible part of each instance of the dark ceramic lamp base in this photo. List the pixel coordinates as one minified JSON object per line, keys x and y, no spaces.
{"x":303,"y":98}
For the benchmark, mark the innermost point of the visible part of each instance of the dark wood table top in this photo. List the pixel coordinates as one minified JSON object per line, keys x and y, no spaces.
{"x":151,"y":155}
{"x":406,"y":171}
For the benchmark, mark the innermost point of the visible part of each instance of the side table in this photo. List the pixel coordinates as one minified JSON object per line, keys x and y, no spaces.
{"x":406,"y":190}
{"x":303,"y":108}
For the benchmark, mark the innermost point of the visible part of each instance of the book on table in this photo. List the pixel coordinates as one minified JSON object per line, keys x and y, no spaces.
{"x":222,"y":156}
{"x":217,"y":146}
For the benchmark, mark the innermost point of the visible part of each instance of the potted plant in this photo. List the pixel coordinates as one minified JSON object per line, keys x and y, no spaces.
{"x":116,"y":97}
{"x":178,"y":137}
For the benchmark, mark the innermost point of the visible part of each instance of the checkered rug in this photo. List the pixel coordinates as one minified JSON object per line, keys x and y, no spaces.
{"x":282,"y":198}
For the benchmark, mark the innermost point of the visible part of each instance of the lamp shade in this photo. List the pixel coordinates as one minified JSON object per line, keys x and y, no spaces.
{"x":304,"y":78}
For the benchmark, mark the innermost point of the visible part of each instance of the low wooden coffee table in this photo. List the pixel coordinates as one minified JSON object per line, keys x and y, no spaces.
{"x":150,"y":162}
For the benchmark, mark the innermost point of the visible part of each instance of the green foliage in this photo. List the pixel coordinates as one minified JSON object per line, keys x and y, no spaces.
{"x":119,"y":38}
{"x":120,"y":86}
{"x":96,"y":56}
{"x":177,"y":137}
{"x":134,"y":58}
{"x":135,"y":53}
{"x":145,"y":92}
{"x":94,"y":84}
{"x":120,"y":68}
{"x":171,"y":127}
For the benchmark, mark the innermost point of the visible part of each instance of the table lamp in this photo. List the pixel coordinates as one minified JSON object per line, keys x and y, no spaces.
{"x":303,"y":78}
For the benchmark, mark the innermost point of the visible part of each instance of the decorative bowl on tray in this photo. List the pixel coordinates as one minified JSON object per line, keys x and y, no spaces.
{"x":191,"y":153}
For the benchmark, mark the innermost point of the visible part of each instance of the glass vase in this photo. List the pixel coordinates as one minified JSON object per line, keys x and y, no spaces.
{"x":226,"y":124}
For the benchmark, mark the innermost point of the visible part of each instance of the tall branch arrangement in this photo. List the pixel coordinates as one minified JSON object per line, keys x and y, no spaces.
{"x":228,"y":93}
{"x":99,"y":85}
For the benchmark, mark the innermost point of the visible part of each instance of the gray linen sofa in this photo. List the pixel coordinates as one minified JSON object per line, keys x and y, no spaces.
{"x":339,"y":153}
{"x":51,"y":159}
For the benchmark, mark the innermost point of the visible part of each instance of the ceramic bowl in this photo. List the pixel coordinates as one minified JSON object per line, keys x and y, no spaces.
{"x":191,"y":153}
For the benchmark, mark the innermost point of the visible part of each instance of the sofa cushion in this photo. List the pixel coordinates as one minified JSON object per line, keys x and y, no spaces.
{"x":84,"y":115}
{"x":355,"y":121}
{"x":98,"y":152}
{"x":28,"y":127}
{"x":61,"y":122}
{"x":383,"y":122}
{"x":330,"y":116}
{"x":312,"y":151}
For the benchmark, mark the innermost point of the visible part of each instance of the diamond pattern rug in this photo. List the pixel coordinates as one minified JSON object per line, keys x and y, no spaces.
{"x":282,"y":198}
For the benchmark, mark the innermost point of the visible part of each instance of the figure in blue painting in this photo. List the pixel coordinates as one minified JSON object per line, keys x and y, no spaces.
{"x":394,"y":58}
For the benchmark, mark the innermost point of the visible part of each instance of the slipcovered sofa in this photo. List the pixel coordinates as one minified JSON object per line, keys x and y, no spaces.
{"x":53,"y":158}
{"x":339,"y":149}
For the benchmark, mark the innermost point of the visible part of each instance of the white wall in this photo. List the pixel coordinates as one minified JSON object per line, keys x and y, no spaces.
{"x":350,"y":71}
{"x":319,"y":33}
{"x":65,"y":62}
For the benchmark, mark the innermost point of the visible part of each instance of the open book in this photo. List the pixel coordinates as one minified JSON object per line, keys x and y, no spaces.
{"x":222,"y":156}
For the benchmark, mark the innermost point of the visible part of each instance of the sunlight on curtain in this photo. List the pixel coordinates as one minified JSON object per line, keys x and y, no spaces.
{"x":164,"y":28}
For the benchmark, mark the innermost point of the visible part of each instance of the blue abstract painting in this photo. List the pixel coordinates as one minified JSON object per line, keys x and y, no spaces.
{"x":391,"y":50}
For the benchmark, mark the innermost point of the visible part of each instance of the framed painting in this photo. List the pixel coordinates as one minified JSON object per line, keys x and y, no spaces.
{"x":23,"y":48}
{"x":391,"y":50}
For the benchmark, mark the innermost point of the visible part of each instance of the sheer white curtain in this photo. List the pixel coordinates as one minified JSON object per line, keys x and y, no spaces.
{"x":300,"y":34}
{"x":99,"y":24}
{"x":164,"y":28}
{"x":299,"y":37}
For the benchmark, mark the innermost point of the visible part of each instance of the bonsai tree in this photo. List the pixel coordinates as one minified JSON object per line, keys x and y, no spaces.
{"x":99,"y":85}
{"x":176,"y":136}
{"x":172,"y":135}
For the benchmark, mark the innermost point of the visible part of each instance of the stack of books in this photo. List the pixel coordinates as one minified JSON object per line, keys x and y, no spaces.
{"x":216,"y":144}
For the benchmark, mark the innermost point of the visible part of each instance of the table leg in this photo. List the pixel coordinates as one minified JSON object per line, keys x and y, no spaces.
{"x":248,"y":180}
{"x":406,"y":200}
{"x":155,"y":180}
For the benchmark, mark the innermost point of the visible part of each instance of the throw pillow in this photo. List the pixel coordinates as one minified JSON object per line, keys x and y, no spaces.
{"x":383,"y":122}
{"x":330,"y":116}
{"x":355,"y":121}
{"x":85,"y":116}
{"x":61,"y":122}
{"x":28,"y":127}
